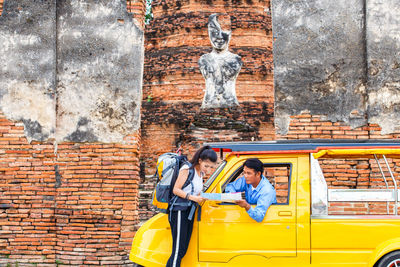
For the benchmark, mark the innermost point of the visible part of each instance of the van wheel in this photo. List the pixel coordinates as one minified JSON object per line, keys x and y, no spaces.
{"x":137,"y":265}
{"x":390,"y":260}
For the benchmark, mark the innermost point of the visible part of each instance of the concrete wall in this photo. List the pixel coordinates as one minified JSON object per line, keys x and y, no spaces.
{"x":383,"y":50}
{"x":27,"y":52}
{"x":337,"y":59}
{"x":73,"y":72}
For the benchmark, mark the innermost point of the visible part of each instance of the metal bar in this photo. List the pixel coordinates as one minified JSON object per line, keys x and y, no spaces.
{"x":394,"y":182}
{"x":361,"y":195}
{"x":384,"y":178}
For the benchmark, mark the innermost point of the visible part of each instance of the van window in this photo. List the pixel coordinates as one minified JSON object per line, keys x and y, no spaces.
{"x":278,"y":174}
{"x":371,"y":179}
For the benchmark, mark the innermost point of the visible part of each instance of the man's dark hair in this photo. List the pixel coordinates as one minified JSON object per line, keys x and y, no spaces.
{"x":254,"y":164}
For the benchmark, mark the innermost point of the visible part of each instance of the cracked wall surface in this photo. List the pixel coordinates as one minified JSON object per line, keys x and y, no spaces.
{"x":383,"y":39}
{"x":27,"y":69}
{"x":339,"y":60}
{"x":71,"y":72}
{"x":100,"y":55}
{"x":319,"y":60}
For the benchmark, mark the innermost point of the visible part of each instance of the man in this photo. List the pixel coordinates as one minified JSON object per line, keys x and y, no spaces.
{"x":257,"y":188}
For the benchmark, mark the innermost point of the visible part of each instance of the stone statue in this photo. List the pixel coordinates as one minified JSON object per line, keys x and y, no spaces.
{"x":220,"y":67}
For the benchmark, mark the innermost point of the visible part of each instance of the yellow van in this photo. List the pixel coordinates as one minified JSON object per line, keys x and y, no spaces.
{"x":316,"y":222}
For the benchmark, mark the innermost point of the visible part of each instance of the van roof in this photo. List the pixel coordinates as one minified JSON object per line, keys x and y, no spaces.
{"x":304,"y":145}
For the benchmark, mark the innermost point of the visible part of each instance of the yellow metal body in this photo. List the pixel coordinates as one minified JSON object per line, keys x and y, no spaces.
{"x":288,"y":236}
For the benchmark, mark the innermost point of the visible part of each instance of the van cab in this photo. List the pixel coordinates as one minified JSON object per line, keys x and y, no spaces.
{"x":337,"y":206}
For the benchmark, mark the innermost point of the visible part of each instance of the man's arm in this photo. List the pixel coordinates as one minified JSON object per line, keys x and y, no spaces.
{"x":258,"y":213}
{"x":236,"y":186}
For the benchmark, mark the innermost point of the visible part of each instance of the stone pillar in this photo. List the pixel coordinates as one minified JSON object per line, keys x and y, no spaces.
{"x":70,"y":98}
{"x":319,"y":60}
{"x":336,"y":73}
{"x":383,"y":51}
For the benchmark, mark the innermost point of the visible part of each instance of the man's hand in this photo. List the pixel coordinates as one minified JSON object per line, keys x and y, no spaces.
{"x":243,"y":203}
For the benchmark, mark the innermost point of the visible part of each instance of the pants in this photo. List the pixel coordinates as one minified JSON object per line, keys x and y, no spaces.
{"x":181,"y":229}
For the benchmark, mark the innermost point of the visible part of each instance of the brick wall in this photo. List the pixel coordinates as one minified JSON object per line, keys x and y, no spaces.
{"x":359,"y":173}
{"x":344,"y":173}
{"x":187,"y":125}
{"x":166,"y":126}
{"x":1,"y":6}
{"x":306,"y":125}
{"x":178,"y":36}
{"x":73,"y":203}
{"x":138,"y":9}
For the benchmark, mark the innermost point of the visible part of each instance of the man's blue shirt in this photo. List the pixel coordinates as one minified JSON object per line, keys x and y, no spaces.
{"x":263,"y":195}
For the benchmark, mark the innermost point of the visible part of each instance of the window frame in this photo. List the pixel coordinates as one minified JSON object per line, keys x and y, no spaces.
{"x":236,"y":173}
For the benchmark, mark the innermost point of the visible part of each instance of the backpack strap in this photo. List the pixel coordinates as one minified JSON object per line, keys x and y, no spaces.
{"x":189,"y":180}
{"x":177,"y":168}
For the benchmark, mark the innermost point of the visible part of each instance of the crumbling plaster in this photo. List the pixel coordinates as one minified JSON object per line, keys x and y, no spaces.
{"x":319,"y":60}
{"x":337,"y":59}
{"x":383,"y":39}
{"x":73,"y":69}
{"x":27,"y":56}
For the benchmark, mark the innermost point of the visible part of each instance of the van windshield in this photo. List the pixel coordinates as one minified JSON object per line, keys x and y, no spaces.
{"x":213,"y":176}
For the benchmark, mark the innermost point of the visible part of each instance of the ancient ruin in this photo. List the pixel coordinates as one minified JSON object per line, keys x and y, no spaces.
{"x":220,"y":67}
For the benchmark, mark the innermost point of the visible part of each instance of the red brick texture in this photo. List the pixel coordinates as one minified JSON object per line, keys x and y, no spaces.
{"x":167,"y":126}
{"x":359,"y":173}
{"x":138,"y":9}
{"x":75,"y":204}
{"x":178,"y":36}
{"x":175,"y":40}
{"x":186,"y":125}
{"x":306,"y":126}
{"x":344,"y":173}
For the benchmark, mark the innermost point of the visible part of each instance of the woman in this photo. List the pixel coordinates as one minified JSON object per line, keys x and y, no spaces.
{"x":180,"y":217}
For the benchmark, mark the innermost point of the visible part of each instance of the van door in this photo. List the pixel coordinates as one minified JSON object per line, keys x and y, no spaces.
{"x":227,"y":231}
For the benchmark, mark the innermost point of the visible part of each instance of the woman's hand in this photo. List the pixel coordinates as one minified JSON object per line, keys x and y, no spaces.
{"x":197,"y":199}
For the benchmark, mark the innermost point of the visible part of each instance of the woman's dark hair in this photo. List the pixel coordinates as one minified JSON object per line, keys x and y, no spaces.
{"x":254,"y":164}
{"x":204,"y":153}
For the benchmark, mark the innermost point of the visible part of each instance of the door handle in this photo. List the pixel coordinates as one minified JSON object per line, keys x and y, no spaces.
{"x":214,"y":204}
{"x":285,"y":213}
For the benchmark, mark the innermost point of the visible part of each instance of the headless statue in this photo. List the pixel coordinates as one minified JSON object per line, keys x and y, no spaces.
{"x":219,"y":68}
